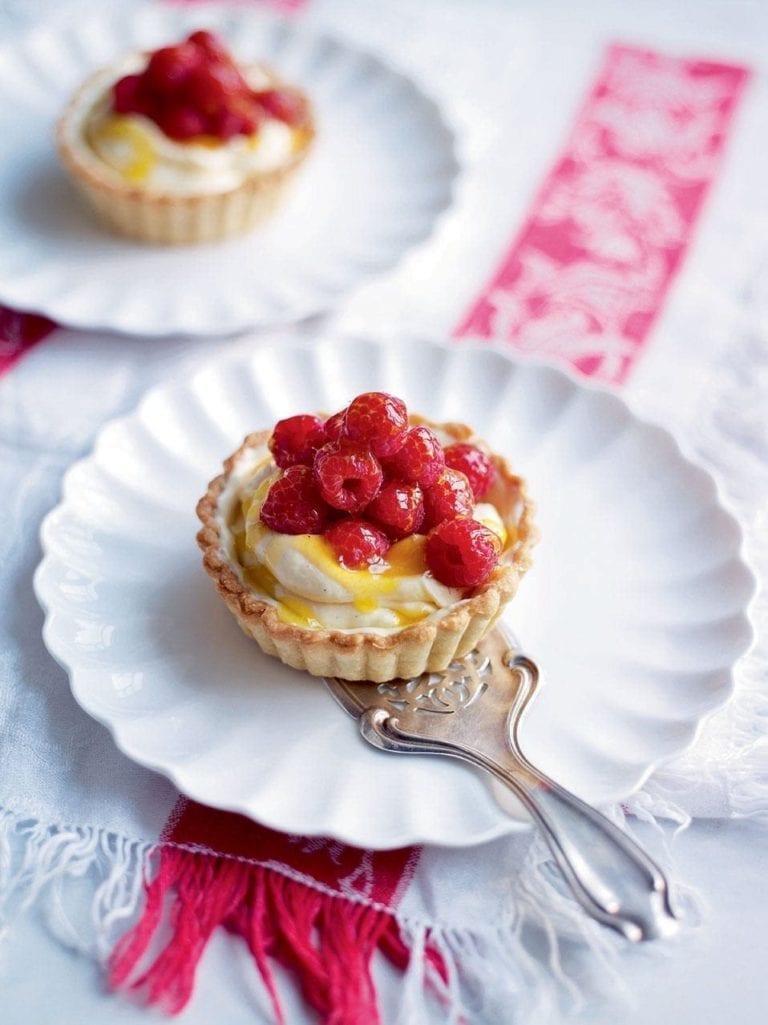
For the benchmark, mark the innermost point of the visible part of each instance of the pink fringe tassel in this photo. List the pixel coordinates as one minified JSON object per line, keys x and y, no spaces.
{"x":326,"y":942}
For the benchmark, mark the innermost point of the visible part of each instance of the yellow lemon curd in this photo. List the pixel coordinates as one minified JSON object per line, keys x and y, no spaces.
{"x":138,"y":150}
{"x":130,"y":145}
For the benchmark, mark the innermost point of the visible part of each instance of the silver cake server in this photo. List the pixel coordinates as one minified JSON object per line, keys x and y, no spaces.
{"x":472,"y":711}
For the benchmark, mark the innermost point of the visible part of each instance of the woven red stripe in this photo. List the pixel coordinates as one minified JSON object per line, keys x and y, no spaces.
{"x":586,"y":276}
{"x":377,"y":876}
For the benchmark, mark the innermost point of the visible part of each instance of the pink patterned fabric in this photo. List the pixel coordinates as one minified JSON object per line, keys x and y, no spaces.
{"x":587,"y":275}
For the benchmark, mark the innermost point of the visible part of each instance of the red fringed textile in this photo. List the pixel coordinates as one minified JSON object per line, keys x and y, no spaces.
{"x":319,"y":929}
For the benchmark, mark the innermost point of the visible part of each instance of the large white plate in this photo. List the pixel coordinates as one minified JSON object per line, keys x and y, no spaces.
{"x":381,"y":172}
{"x":635,"y":606}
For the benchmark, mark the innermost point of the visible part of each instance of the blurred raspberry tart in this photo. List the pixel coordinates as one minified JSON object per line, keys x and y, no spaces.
{"x":183,"y":145}
{"x":368,"y":545}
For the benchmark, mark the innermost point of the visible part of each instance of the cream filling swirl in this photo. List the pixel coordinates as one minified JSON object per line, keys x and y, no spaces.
{"x":136,"y":149}
{"x":301,"y":576}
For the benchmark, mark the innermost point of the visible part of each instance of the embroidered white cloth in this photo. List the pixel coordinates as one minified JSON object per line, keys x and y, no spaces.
{"x":703,"y":372}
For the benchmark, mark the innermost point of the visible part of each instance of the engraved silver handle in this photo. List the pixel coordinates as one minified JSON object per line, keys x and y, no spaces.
{"x":472,"y":711}
{"x":610,"y":875}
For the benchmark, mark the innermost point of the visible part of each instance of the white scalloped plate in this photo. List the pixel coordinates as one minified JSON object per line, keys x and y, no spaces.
{"x":380,"y":174}
{"x":635,"y":607}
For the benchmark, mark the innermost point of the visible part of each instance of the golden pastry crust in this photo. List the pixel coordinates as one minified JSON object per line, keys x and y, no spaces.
{"x":427,"y":646}
{"x":152,"y":215}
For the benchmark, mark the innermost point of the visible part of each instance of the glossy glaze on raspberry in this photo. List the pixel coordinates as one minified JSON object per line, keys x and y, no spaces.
{"x":293,"y":504}
{"x":365,"y":479}
{"x":357,"y":543}
{"x":462,"y":552}
{"x":450,"y":496}
{"x":475,"y":464}
{"x":348,"y":476}
{"x":377,"y":420}
{"x":398,"y":509}
{"x":195,"y":89}
{"x":420,"y":459}
{"x":334,"y":426}
{"x":296,"y":440}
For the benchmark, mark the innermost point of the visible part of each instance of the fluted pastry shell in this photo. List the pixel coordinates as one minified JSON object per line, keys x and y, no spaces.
{"x":152,"y":215}
{"x":429,"y":645}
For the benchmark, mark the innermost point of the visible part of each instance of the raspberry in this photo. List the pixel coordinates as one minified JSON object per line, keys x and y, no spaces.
{"x":293,"y":504}
{"x":225,"y":124}
{"x":462,"y":552}
{"x":296,"y":440}
{"x":450,"y":496}
{"x":398,"y":508}
{"x":357,"y":543}
{"x":475,"y":464}
{"x":125,"y":94}
{"x":169,"y":67}
{"x":420,"y":460}
{"x":377,"y":420}
{"x":284,"y":104}
{"x":334,"y":425}
{"x":348,"y":476}
{"x":250,"y":113}
{"x":209,"y":43}
{"x":181,"y":123}
{"x":211,"y":87}
{"x":194,"y":88}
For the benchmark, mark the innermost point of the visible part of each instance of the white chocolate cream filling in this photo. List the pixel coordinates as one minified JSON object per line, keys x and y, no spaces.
{"x":301,"y":576}
{"x":135,"y":148}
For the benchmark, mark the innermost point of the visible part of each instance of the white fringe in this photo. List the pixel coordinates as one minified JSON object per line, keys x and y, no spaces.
{"x":544,"y":960}
{"x":86,"y":882}
{"x":88,"y":885}
{"x":726,"y":773}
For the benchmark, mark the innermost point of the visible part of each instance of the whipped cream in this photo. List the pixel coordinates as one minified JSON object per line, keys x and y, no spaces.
{"x":140,"y":153}
{"x":301,"y":576}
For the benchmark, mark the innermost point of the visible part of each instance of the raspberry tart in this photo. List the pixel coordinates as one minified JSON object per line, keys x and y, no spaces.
{"x":182,"y":144}
{"x":369,"y":545}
